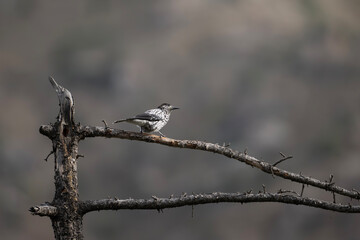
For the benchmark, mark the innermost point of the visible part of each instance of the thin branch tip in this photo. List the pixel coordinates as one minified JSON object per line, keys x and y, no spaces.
{"x":105,"y":123}
{"x":47,"y":157}
{"x":283,"y":159}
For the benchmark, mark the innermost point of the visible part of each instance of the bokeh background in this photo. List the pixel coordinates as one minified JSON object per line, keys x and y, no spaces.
{"x":268,"y":76}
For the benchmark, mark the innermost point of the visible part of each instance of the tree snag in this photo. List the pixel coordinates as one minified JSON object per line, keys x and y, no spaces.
{"x":66,"y":211}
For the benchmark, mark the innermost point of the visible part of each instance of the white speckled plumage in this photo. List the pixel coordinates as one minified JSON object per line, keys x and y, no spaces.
{"x":152,"y":120}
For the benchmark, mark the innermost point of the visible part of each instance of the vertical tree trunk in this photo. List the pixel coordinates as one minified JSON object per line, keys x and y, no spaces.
{"x":68,"y":223}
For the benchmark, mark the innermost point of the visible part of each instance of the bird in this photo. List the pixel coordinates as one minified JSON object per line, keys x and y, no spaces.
{"x":66,"y":102}
{"x":152,"y":120}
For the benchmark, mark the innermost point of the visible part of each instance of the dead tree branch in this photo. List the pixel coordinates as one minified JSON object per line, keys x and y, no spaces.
{"x":66,"y":211}
{"x":88,"y":131}
{"x":217,"y":197}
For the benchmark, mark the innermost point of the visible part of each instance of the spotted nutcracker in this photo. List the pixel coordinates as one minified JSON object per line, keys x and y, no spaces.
{"x":152,"y":120}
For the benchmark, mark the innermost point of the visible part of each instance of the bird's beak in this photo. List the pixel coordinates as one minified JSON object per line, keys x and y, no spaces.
{"x":174,"y":108}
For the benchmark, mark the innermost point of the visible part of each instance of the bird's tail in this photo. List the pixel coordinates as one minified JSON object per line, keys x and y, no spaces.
{"x":121,"y":120}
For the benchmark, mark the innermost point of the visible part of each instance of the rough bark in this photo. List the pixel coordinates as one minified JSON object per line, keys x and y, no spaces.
{"x":67,"y":223}
{"x":196,"y":199}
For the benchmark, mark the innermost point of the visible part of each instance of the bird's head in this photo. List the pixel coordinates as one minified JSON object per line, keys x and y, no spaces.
{"x":167,"y":107}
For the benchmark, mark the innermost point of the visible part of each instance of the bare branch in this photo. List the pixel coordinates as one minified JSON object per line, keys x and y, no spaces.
{"x":67,"y":216}
{"x":44,"y":210}
{"x":196,"y":199}
{"x":89,"y":131}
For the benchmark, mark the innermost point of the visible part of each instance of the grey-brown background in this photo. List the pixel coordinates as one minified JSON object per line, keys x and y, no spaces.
{"x":268,"y":76}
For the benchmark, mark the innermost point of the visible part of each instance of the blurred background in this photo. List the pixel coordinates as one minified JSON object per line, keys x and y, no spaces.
{"x":266,"y":76}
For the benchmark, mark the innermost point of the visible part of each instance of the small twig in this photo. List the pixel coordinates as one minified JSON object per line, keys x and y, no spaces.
{"x":283,"y":159}
{"x":302,"y":190}
{"x":334,"y":200}
{"x":245,"y":151}
{"x":155,"y":198}
{"x":330,"y":182}
{"x":52,"y":152}
{"x":264,"y":189}
{"x":106,"y":126}
{"x":192,"y":211}
{"x":79,"y":156}
{"x":272,"y":172}
{"x":276,"y":163}
{"x":226,"y":145}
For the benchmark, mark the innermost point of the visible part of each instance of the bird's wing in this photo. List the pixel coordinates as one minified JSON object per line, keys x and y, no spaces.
{"x":147,"y":117}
